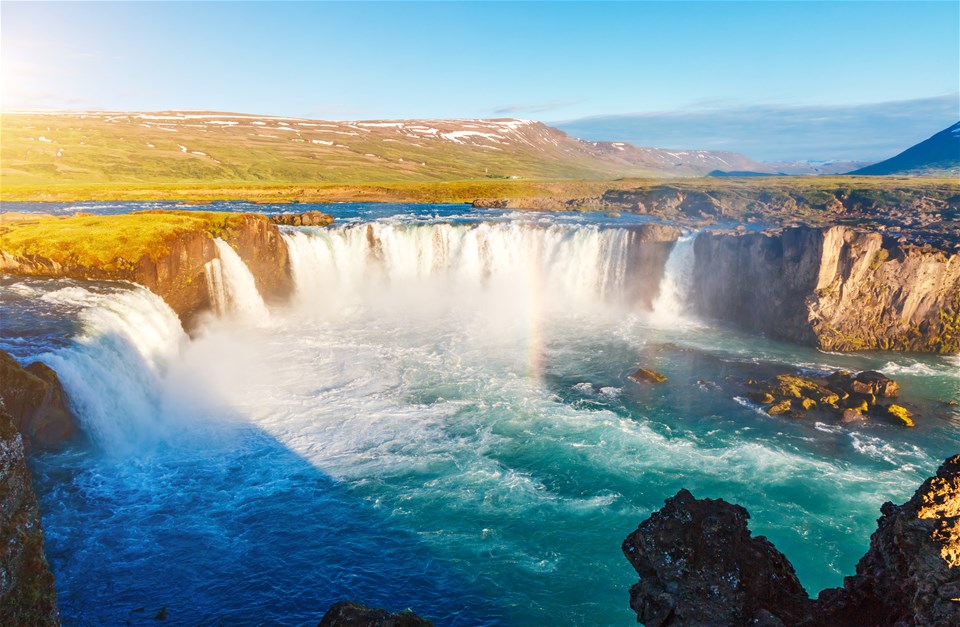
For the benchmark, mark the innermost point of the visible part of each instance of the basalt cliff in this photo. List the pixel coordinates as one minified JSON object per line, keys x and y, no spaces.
{"x":698,"y":564}
{"x":836,"y":288}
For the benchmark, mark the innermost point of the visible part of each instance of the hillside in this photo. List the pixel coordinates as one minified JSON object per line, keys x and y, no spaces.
{"x":216,"y":148}
{"x":937,"y":156}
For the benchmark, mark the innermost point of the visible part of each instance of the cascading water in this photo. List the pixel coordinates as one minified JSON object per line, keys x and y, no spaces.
{"x":383,"y":439}
{"x":672,"y":302}
{"x":566,"y":266}
{"x":236,"y":287}
{"x":114,"y":370}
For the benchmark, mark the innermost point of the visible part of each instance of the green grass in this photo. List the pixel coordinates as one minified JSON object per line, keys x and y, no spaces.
{"x":107,"y":242}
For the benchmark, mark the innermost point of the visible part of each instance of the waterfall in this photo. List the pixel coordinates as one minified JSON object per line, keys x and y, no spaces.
{"x":218,"y":296}
{"x":672,"y":298}
{"x":234,"y":286}
{"x":113,"y":371}
{"x":568,"y":265}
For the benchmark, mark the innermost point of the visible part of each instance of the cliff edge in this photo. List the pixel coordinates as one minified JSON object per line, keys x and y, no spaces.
{"x":836,"y":288}
{"x":698,"y":564}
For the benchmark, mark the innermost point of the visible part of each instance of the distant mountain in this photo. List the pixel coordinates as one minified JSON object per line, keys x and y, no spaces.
{"x":801,"y":168}
{"x":939,"y":155}
{"x":211,"y":148}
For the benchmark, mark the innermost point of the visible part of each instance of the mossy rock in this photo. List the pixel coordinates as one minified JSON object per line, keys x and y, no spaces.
{"x":781,"y":408}
{"x":645,"y":375}
{"x":902,"y":414}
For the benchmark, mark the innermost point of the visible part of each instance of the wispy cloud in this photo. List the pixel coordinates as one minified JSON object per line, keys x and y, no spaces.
{"x":528,"y":109}
{"x":868,"y":132}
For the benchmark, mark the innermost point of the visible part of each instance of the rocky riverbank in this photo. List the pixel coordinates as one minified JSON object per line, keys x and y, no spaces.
{"x":698,"y":564}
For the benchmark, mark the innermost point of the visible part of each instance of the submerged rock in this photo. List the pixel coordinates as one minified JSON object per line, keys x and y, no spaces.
{"x":699,"y":565}
{"x":27,"y":595}
{"x":841,"y":395}
{"x":36,"y":402}
{"x":349,"y":614}
{"x":645,"y":375}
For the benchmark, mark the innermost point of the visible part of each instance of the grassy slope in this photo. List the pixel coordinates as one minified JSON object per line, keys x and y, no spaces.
{"x":107,"y":242}
{"x":68,"y":150}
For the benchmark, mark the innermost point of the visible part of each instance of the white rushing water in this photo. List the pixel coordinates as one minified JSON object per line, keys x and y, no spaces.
{"x":673,"y":296}
{"x":236,"y":289}
{"x":557,"y":266}
{"x":115,"y":369}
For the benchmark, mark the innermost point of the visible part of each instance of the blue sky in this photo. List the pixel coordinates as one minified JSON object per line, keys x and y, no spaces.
{"x":550,"y":61}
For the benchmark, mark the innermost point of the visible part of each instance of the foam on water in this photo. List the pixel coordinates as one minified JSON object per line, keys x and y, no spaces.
{"x":442,"y":421}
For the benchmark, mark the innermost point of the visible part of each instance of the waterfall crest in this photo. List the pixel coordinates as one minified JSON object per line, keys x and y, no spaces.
{"x":568,"y":266}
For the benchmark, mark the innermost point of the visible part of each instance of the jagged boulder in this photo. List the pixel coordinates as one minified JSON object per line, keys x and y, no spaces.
{"x":349,"y":614}
{"x":911,"y":573}
{"x":27,"y":595}
{"x":698,"y":564}
{"x":36,"y":402}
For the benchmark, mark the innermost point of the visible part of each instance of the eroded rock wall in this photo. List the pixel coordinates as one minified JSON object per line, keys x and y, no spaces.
{"x":650,"y":248}
{"x":35,"y":403}
{"x":27,"y":595}
{"x":835,"y":288}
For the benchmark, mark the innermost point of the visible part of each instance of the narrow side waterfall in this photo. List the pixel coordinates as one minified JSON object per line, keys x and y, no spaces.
{"x":673,"y":296}
{"x":567,"y":266}
{"x":113,"y":371}
{"x":236,"y":289}
{"x":218,"y":295}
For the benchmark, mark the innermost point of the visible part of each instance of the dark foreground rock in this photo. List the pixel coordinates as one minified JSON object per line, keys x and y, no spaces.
{"x":36,"y":403}
{"x":698,"y":564}
{"x":349,"y":614}
{"x":27,"y":595}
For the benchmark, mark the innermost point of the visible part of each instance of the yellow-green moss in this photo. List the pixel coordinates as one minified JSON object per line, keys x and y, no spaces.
{"x":107,"y":242}
{"x":902,"y":414}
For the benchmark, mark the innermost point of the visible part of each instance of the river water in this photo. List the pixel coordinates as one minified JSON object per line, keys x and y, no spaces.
{"x":440,"y":420}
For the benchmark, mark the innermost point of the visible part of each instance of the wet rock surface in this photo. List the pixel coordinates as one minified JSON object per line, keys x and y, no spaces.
{"x":699,"y":565}
{"x":840,"y":396}
{"x":349,"y":614}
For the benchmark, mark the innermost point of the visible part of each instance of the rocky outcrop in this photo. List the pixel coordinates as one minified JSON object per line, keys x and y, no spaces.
{"x":36,"y":403}
{"x":840,"y":396}
{"x":307,"y":218}
{"x":27,"y":595}
{"x":835,"y":288}
{"x":174,"y":270}
{"x":910,"y":575}
{"x":348,"y":614}
{"x":699,"y":565}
